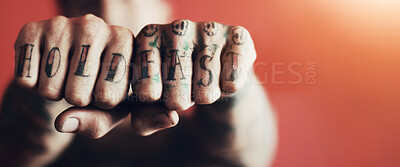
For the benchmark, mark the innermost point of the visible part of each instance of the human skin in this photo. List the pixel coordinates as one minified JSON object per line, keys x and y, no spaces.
{"x":183,"y":64}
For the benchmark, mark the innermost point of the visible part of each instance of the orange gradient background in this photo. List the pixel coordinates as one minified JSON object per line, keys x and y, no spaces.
{"x":349,"y":117}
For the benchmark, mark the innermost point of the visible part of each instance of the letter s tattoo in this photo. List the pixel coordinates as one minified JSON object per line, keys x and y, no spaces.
{"x":203,"y":66}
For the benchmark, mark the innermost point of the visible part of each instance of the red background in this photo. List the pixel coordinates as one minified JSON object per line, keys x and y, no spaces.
{"x":350,"y":117}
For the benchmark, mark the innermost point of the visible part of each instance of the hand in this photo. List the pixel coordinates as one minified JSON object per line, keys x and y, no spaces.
{"x":87,"y":62}
{"x":198,"y":62}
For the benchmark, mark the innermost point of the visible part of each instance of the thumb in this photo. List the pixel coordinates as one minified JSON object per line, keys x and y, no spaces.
{"x":91,"y":121}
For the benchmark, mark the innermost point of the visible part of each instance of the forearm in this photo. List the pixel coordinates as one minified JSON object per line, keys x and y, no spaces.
{"x":27,"y":134}
{"x":239,"y":129}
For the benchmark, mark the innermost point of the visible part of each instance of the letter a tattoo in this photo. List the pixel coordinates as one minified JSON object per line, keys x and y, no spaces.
{"x":23,"y":58}
{"x":114,"y":66}
{"x":175,"y":60}
{"x":144,"y":64}
{"x":82,"y":61}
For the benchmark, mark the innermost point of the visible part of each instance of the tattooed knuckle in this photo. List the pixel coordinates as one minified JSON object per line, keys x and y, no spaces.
{"x":149,"y":30}
{"x":56,"y":25}
{"x":210,"y":28}
{"x":58,"y":20}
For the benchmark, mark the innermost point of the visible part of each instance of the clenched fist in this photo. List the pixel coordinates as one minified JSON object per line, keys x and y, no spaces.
{"x":86,"y":61}
{"x":196,"y":61}
{"x":76,"y":57}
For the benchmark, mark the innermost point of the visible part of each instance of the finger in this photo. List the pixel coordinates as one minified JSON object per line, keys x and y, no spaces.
{"x":54,"y":63}
{"x":27,"y":54}
{"x":90,"y":121}
{"x":90,"y":37}
{"x":207,"y":65}
{"x":150,"y":118}
{"x":237,"y":59}
{"x":112,"y":83}
{"x":147,"y":84}
{"x":177,"y":48}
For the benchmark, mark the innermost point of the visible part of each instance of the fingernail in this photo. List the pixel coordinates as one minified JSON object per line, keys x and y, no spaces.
{"x":161,"y":120}
{"x":70,"y":125}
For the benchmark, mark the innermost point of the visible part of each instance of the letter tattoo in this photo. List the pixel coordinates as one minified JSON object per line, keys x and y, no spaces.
{"x":112,"y":70}
{"x":179,"y":27}
{"x":234,"y":65}
{"x":144,"y":63}
{"x":82,"y":61}
{"x":175,"y":61}
{"x":52,"y":67}
{"x":203,"y":66}
{"x":23,"y":58}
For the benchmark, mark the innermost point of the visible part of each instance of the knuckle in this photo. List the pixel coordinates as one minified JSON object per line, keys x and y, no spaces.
{"x":57,"y":26}
{"x":177,"y":106}
{"x":92,"y":26}
{"x":230,"y":87}
{"x":57,"y":22}
{"x":28,"y":32}
{"x":241,"y":28}
{"x":207,"y":97}
{"x":209,"y":28}
{"x":149,"y":30}
{"x":179,"y":27}
{"x":122,"y":34}
{"x":92,"y":19}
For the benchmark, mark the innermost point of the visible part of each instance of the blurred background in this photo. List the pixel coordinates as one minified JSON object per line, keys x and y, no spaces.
{"x":331,"y":68}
